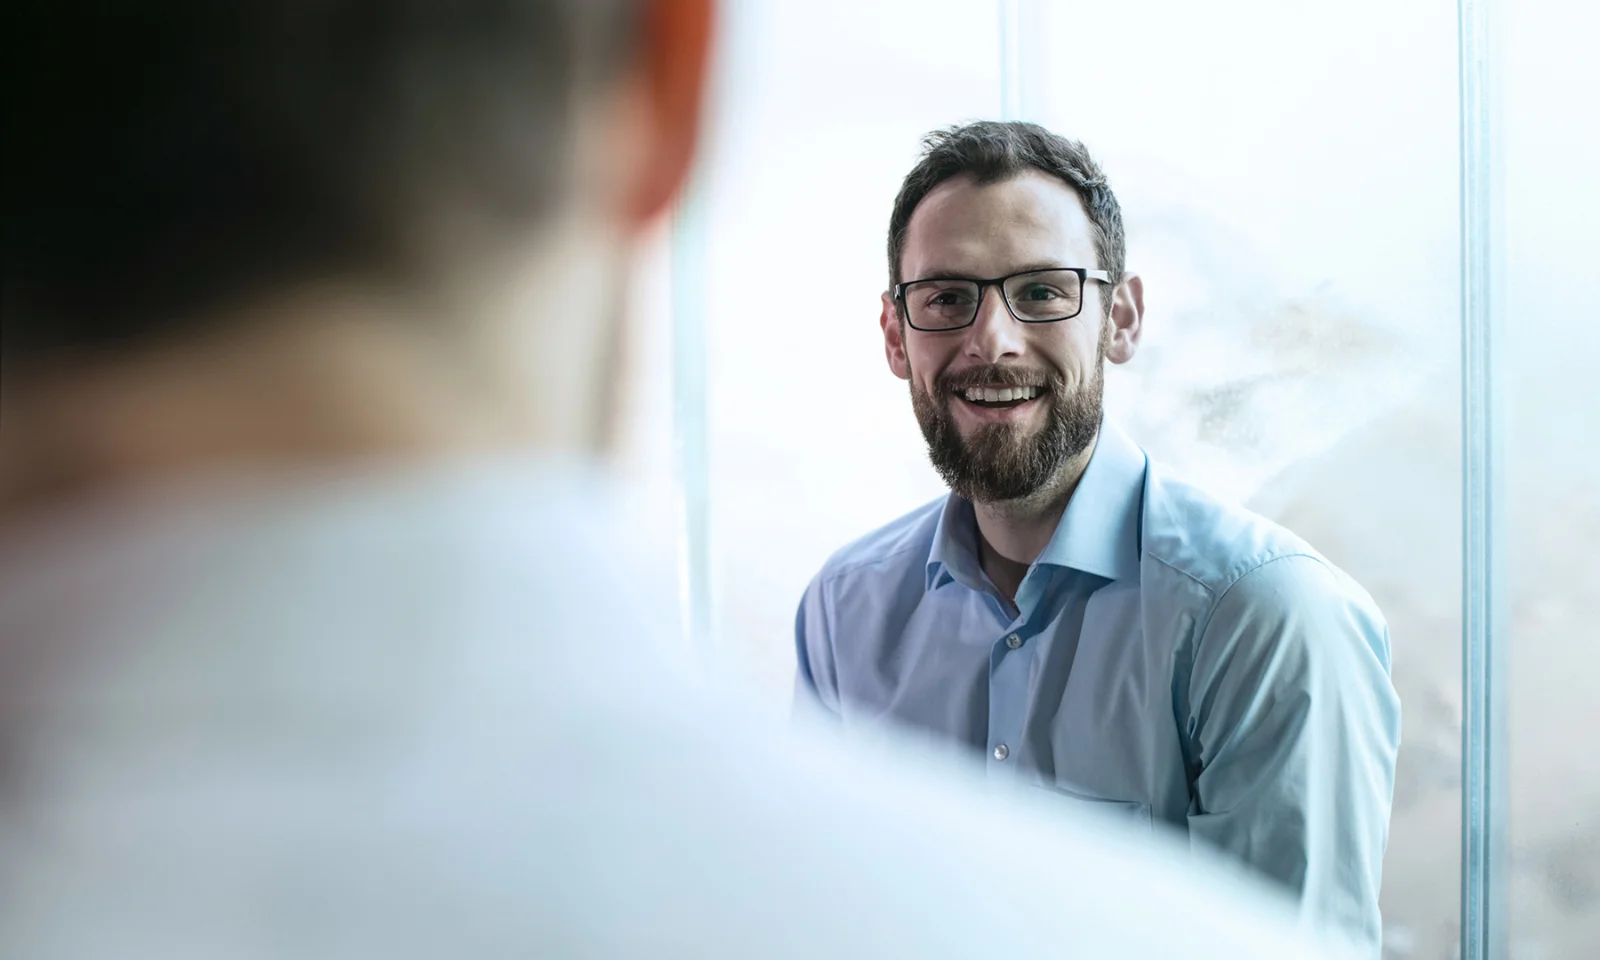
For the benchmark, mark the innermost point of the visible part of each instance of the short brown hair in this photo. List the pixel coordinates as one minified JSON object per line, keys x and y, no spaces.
{"x":990,"y":151}
{"x":167,"y":156}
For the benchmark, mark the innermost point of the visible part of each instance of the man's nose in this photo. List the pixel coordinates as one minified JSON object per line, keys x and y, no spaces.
{"x":995,"y":334}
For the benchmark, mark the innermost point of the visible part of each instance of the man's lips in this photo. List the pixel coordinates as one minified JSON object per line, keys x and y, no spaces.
{"x":999,"y":411}
{"x":999,"y":395}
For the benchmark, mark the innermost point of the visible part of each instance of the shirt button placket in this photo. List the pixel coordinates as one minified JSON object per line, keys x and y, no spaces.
{"x":1002,"y":723}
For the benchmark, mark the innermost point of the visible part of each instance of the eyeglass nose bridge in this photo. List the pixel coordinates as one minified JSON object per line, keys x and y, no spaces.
{"x":983,"y":293}
{"x":999,"y":291}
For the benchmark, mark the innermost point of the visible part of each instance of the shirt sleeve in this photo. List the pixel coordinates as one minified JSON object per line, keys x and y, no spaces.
{"x":815,"y":683}
{"x":1294,"y":727}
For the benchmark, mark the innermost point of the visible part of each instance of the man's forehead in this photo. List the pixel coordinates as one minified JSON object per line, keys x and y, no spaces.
{"x":965,"y":227}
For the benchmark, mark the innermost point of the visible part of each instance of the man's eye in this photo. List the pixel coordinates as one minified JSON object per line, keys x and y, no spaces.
{"x":949,"y":298}
{"x":1040,"y":293}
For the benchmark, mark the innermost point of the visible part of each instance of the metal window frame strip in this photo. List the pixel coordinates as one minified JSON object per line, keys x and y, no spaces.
{"x":1485,"y":592}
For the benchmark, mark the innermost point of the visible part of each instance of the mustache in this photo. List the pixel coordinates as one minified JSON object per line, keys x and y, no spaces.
{"x":999,"y":375}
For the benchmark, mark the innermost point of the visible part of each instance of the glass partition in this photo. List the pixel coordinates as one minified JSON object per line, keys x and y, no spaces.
{"x":1291,"y":179}
{"x":1551,"y":152}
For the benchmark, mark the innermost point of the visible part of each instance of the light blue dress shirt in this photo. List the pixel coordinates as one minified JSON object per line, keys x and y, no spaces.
{"x":1168,"y":656}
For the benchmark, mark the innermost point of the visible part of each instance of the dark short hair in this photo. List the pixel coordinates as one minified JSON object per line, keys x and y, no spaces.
{"x":161,"y":158}
{"x":990,"y":151}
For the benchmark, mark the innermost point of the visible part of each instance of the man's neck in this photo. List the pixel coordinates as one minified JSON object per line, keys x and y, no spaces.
{"x":319,"y":384}
{"x":1013,"y":533}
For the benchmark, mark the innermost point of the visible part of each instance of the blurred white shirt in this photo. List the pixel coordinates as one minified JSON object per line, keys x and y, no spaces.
{"x":430,"y":715}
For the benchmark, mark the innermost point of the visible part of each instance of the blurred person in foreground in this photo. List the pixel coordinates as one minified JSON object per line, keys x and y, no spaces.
{"x":318,"y":637}
{"x":1071,"y":612}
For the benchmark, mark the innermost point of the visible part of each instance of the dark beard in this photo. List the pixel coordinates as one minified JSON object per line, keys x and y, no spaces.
{"x":999,"y":462}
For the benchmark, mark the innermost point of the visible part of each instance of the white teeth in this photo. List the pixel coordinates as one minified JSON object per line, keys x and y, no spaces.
{"x":1000,"y":394}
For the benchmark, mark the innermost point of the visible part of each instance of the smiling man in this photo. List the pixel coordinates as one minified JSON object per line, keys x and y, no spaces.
{"x":1087,"y":622}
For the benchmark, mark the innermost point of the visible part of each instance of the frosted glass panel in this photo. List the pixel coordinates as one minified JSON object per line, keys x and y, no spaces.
{"x":1289,"y":173}
{"x":1552,"y":152}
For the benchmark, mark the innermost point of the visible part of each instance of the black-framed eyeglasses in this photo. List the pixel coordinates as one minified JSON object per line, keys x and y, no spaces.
{"x":938,"y":304}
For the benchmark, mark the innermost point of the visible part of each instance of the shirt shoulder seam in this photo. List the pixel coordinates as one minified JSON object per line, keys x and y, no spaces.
{"x":1221,"y":595}
{"x":834,"y":570}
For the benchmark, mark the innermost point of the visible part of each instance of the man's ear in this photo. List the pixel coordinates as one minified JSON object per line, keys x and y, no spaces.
{"x":894,"y":344}
{"x":1127,"y":319}
{"x":670,"y":72}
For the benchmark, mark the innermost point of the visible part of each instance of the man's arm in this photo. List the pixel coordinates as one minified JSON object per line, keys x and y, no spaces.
{"x":816,"y":687}
{"x":1293,"y":730}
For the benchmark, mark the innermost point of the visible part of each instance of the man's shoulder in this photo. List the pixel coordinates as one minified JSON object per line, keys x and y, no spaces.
{"x":1216,"y":544}
{"x":891,"y":549}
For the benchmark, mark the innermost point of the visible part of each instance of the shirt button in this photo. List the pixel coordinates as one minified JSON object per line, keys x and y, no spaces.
{"x":1001,"y":752}
{"x":1013,"y":641}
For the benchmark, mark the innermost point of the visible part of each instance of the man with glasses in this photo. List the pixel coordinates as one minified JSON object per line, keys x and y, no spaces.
{"x":1090,"y":624}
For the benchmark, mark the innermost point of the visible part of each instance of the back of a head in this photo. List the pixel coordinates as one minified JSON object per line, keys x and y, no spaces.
{"x":167,"y":159}
{"x":414,"y":212}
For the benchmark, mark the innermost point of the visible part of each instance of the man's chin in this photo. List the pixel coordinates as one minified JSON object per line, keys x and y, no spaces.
{"x":1008,"y":435}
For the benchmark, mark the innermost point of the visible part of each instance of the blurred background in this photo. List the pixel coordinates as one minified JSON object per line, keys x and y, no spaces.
{"x":1290,"y":175}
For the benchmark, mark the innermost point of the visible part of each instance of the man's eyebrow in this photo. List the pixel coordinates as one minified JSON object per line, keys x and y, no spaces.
{"x":1044,"y":265}
{"x":968,"y":275}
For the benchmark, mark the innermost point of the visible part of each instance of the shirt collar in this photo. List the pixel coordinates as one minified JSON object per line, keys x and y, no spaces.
{"x":1098,"y":534}
{"x":955,"y":545}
